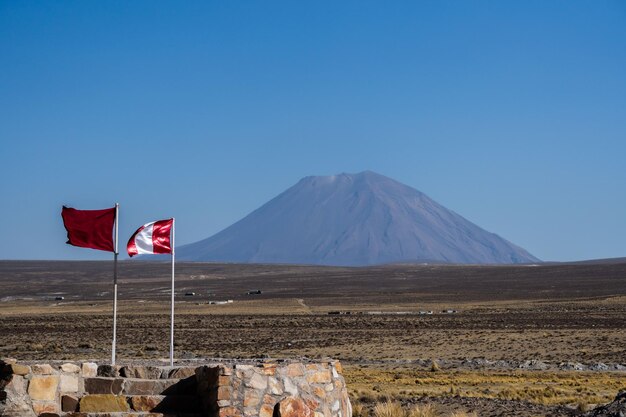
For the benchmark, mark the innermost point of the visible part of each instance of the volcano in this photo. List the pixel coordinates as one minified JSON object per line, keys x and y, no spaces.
{"x":354,"y":220}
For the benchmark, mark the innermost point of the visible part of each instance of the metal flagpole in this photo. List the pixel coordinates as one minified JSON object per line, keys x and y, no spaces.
{"x":172,"y":318}
{"x":117,"y":211}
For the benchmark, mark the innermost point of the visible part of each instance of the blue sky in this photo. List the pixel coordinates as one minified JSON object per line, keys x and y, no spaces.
{"x":512,"y":114}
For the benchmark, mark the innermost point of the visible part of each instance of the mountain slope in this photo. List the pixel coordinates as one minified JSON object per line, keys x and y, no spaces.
{"x":359,"y":219}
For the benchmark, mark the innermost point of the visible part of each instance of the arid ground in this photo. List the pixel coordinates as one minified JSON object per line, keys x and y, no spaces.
{"x":518,"y":341}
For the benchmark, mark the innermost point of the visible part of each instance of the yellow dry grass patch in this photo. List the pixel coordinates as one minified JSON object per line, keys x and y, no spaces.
{"x":462,"y":414}
{"x":394,"y":409}
{"x":426,"y":410}
{"x":541,"y":387}
{"x":389,"y":409}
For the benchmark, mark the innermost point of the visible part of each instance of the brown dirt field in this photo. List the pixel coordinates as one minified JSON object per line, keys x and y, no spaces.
{"x":401,"y":284}
{"x":551,"y":313}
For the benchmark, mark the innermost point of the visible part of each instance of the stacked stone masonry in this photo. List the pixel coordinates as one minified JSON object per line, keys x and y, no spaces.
{"x":221,"y":389}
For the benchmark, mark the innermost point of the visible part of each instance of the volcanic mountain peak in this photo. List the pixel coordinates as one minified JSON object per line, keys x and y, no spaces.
{"x":354,"y":219}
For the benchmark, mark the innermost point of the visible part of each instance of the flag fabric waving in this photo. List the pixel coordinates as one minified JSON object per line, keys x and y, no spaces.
{"x":156,"y":238}
{"x":151,"y":238}
{"x":89,"y":228}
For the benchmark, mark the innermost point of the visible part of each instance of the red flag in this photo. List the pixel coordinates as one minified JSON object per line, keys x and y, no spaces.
{"x":89,"y":228}
{"x":151,"y":238}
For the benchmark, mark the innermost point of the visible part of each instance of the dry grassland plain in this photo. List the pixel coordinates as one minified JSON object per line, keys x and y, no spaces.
{"x":523,"y":341}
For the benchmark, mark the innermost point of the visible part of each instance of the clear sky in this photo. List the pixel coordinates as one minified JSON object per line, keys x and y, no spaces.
{"x":511,"y":113}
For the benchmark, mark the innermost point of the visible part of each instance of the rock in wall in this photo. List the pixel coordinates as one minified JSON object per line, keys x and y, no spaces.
{"x":213,"y":389}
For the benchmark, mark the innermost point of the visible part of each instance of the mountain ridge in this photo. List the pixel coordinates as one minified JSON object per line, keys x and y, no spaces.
{"x":353,"y":220}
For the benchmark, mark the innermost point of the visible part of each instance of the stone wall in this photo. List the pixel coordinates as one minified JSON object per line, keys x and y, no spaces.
{"x":219,"y":389}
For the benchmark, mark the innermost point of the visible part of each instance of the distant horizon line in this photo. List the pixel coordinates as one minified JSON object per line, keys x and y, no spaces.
{"x":613,"y":260}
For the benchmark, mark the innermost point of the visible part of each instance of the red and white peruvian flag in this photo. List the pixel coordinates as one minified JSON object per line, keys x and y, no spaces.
{"x":151,"y":238}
